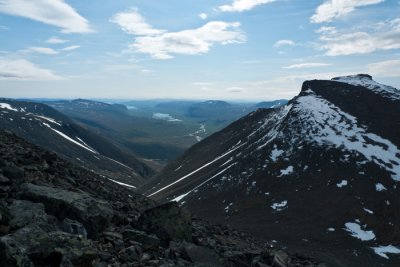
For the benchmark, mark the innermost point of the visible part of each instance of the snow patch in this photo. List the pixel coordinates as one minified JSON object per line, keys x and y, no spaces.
{"x":7,"y":106}
{"x":279,"y":206}
{"x":342,"y":184}
{"x":276,"y":153}
{"x":380,"y":187}
{"x":368,"y":211}
{"x":287,"y":171}
{"x":356,"y":231}
{"x":384,"y":250}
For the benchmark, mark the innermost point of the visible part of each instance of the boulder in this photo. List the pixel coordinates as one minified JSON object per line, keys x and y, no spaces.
{"x":25,"y":212}
{"x":31,"y":246}
{"x":93,"y":213}
{"x":4,"y":180}
{"x":281,"y":259}
{"x":73,"y":227}
{"x":200,"y":255}
{"x":168,"y":222}
{"x":13,"y":172}
{"x":147,"y":241}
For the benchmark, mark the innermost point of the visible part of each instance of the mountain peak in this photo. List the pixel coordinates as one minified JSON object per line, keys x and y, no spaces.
{"x":357,"y":76}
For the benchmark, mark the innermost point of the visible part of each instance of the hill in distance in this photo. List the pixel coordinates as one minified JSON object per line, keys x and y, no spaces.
{"x":48,"y":128}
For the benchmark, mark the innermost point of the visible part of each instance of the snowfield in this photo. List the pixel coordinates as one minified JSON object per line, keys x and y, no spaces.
{"x":356,"y":231}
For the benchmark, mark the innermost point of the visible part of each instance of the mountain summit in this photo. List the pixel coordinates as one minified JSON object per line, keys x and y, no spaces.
{"x":319,"y":174}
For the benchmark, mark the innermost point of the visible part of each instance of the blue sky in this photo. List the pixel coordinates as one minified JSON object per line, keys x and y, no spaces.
{"x":221,"y":49}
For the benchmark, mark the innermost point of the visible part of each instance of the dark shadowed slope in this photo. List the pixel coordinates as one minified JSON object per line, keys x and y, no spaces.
{"x":54,"y":213}
{"x":320,"y":174}
{"x":46,"y":127}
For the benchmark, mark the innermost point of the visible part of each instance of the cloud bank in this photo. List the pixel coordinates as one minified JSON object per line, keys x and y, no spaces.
{"x":52,"y":12}
{"x":24,"y":70}
{"x":162,"y":44}
{"x":243,"y":5}
{"x":334,"y":9}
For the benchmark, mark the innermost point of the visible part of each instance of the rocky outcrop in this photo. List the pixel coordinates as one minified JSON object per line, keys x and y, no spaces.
{"x":169,"y":222}
{"x":95,"y":214}
{"x":53,"y":213}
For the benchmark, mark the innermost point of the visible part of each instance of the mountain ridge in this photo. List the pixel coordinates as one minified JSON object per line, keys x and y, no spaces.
{"x":327,"y":160}
{"x":44,"y":126}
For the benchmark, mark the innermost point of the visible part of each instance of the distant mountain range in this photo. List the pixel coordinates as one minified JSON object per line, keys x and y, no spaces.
{"x":319,"y":174}
{"x":49,"y":128}
{"x":157,"y":131}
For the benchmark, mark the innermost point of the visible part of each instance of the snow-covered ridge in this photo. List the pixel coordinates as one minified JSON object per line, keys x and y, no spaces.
{"x":324,"y":123}
{"x":7,"y":106}
{"x":367,"y":82}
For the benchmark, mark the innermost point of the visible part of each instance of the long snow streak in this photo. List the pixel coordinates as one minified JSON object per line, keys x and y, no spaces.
{"x":177,"y":199}
{"x":199,"y":169}
{"x":127,"y":185}
{"x":70,"y":139}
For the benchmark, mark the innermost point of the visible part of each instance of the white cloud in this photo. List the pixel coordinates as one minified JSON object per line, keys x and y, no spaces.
{"x":389,"y":68}
{"x":56,"y":40}
{"x":24,"y":70}
{"x":284,"y":42}
{"x":235,"y":89}
{"x":43,"y":50}
{"x":189,"y":42}
{"x":161,"y":44}
{"x":334,"y":9}
{"x":52,"y":12}
{"x":384,"y":36}
{"x":70,"y":48}
{"x":307,"y":65}
{"x":132,"y":22}
{"x":243,"y":5}
{"x":203,"y":16}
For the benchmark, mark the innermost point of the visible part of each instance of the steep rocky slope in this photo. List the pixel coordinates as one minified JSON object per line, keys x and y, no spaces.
{"x":53,"y":213}
{"x":320,"y":174}
{"x":51,"y":129}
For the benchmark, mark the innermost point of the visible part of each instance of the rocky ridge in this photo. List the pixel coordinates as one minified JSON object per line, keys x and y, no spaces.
{"x":53,"y":213}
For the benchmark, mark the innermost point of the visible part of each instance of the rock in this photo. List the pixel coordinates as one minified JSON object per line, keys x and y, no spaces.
{"x":73,"y":227}
{"x":200,"y":255}
{"x":113,"y":235}
{"x":95,"y":214}
{"x":281,"y":259}
{"x":148,"y":241}
{"x":168,"y":222}
{"x":4,"y":189}
{"x":31,"y":246}
{"x":5,"y":218}
{"x":145,"y":257}
{"x":25,"y":212}
{"x":13,"y":172}
{"x":4,"y":180}
{"x":131,"y":253}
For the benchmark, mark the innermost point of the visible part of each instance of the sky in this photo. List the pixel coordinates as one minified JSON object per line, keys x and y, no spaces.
{"x":190,"y":49}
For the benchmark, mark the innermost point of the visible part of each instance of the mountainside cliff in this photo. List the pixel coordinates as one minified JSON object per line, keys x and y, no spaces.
{"x":319,"y":174}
